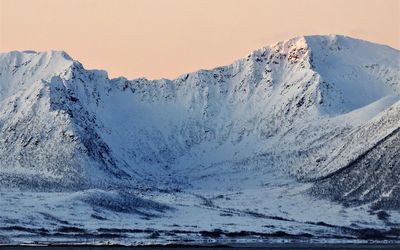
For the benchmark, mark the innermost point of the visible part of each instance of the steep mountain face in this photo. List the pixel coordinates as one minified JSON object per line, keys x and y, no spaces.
{"x":373,"y":177}
{"x":321,"y":109}
{"x":42,"y":143}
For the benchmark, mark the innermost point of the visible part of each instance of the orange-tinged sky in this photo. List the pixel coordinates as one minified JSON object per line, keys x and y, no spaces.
{"x":166,"y":38}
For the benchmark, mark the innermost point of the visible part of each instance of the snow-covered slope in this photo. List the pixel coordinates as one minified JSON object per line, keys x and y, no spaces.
{"x":303,"y":110}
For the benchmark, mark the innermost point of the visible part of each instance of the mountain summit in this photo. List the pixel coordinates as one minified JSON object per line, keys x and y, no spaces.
{"x":303,"y":114}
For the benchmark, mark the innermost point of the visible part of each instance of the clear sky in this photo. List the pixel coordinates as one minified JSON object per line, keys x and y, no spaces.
{"x":166,"y":38}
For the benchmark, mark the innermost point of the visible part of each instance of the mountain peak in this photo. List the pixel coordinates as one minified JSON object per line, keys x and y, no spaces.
{"x":21,"y":68}
{"x":30,"y":53}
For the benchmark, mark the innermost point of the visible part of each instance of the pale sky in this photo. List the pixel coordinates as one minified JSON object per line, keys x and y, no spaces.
{"x":166,"y":38}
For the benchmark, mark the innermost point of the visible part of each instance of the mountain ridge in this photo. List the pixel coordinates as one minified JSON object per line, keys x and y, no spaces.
{"x":145,"y":131}
{"x":297,"y":141}
{"x":65,"y":54}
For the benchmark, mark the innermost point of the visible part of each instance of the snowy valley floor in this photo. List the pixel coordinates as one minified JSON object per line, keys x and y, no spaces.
{"x":280,"y":214}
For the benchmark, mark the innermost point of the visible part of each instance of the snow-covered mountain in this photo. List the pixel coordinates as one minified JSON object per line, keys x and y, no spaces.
{"x":304,"y":114}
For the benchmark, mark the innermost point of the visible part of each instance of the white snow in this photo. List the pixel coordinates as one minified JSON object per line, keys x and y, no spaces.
{"x":297,"y":110}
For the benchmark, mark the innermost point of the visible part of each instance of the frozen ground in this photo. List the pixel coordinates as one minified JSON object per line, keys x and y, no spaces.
{"x":276,"y":214}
